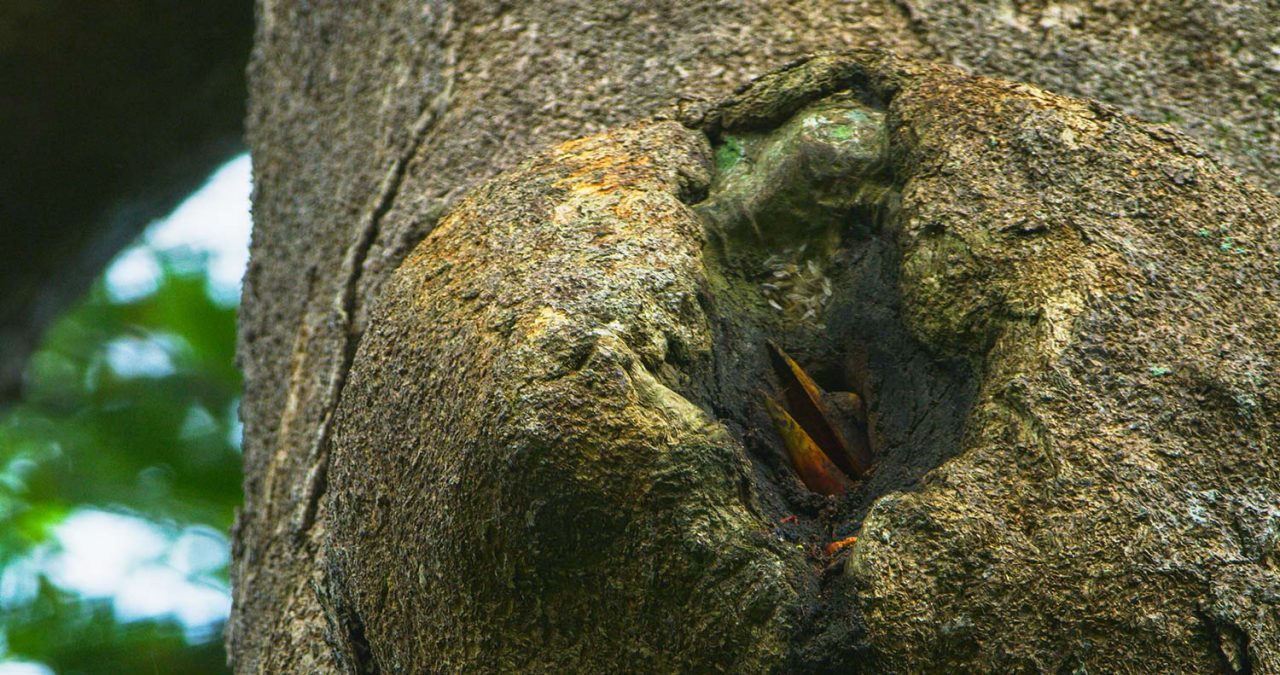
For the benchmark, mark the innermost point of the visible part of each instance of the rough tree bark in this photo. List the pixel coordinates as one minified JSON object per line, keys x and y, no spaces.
{"x":544,"y":448}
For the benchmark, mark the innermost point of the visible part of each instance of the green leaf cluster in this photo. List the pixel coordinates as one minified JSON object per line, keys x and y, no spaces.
{"x":128,"y":407}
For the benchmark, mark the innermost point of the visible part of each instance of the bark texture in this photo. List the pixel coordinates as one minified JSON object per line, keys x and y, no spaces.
{"x":540,"y":416}
{"x":367,"y":124}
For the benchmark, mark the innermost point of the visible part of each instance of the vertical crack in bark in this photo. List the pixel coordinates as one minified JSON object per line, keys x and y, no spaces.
{"x":346,"y":636}
{"x":347,"y":302}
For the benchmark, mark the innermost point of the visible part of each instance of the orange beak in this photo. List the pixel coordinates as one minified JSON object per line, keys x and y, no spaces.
{"x":815,"y":469}
{"x":804,"y":400}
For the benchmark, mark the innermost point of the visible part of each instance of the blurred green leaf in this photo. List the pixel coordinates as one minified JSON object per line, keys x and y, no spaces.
{"x":129,"y":407}
{"x":72,"y":635}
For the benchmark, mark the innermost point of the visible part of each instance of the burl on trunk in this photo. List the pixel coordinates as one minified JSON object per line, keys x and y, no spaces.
{"x":1042,"y":335}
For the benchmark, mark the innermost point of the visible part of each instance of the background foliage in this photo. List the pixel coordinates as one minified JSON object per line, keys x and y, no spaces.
{"x":129,"y":424}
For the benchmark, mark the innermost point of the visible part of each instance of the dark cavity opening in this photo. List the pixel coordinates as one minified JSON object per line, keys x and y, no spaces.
{"x":800,"y":252}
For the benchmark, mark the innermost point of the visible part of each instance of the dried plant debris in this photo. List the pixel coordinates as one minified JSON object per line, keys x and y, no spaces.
{"x":796,"y":287}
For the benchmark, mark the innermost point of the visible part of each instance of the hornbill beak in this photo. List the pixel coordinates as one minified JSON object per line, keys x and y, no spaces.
{"x":819,"y":451}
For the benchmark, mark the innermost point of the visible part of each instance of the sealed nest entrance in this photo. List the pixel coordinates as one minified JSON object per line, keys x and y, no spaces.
{"x":801,"y":257}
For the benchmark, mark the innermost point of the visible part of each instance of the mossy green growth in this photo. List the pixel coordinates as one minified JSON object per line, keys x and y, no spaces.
{"x":842,"y":132}
{"x":781,"y":203}
{"x":799,"y":180}
{"x":729,"y":153}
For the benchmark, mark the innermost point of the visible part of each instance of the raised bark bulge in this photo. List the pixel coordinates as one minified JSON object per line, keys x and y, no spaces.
{"x":369,"y":119}
{"x":553,"y":453}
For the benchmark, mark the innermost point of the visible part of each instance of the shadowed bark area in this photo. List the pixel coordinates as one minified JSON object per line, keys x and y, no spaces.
{"x":369,"y":122}
{"x":552,"y":446}
{"x":111,"y":114}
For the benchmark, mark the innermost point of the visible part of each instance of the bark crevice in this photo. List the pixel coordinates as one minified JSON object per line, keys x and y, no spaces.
{"x":347,"y":307}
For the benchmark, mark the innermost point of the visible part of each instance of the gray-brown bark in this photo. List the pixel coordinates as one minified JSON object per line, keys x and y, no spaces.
{"x":113,"y":112}
{"x":368,"y":123}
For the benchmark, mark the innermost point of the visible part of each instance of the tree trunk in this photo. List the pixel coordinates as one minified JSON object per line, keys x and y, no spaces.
{"x":541,"y":445}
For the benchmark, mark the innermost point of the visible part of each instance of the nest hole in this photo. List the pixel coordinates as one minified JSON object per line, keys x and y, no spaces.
{"x":916,"y":402}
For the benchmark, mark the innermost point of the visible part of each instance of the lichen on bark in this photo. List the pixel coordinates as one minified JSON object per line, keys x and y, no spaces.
{"x":554,"y":457}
